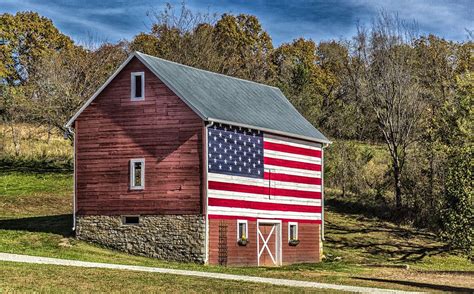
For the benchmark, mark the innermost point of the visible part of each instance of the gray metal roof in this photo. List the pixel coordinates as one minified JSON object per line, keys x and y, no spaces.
{"x":221,"y":98}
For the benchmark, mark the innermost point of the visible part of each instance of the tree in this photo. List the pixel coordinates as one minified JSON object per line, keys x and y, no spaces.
{"x":457,"y":217}
{"x":390,"y":86}
{"x":24,"y":38}
{"x":63,"y":80}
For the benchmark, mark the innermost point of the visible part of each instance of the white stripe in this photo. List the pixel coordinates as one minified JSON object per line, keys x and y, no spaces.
{"x":293,"y":171}
{"x":262,"y":198}
{"x":263,"y":183}
{"x":286,"y":141}
{"x":235,"y":211}
{"x":291,"y":156}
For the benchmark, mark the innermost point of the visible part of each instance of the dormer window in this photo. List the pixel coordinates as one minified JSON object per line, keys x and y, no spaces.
{"x":138,"y":86}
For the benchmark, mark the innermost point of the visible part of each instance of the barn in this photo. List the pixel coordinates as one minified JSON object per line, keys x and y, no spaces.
{"x":184,"y":164}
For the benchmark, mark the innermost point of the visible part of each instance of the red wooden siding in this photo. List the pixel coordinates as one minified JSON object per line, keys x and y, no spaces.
{"x":162,"y":129}
{"x":307,"y":251}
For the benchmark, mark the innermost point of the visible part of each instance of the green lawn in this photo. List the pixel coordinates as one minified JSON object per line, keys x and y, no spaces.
{"x":35,"y":220}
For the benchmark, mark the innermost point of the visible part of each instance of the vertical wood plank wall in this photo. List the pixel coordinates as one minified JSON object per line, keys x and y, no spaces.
{"x":162,"y":129}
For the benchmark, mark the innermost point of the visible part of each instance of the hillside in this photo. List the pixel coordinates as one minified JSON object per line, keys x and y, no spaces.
{"x":35,"y":219}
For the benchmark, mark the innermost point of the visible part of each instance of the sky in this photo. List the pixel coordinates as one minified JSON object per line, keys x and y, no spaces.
{"x":113,"y":20}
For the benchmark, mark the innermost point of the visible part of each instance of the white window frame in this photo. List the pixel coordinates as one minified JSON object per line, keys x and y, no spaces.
{"x":132,"y":174}
{"x":133,"y":86}
{"x":242,"y":221}
{"x":289,"y":232}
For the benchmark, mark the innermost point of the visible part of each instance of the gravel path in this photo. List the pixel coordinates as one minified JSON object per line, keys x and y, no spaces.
{"x":279,"y":282}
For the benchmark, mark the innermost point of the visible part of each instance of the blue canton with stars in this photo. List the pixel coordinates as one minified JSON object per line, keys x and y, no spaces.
{"x":235,"y":151}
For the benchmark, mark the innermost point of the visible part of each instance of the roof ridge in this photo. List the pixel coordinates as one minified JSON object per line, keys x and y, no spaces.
{"x":208,"y":71}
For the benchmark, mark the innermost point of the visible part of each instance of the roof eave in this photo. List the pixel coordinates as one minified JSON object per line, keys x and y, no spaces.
{"x":292,"y":135}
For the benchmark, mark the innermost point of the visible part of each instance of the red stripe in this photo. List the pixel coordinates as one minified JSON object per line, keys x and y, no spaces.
{"x":292,"y":164}
{"x":291,"y":149}
{"x":292,"y":178}
{"x":215,"y":216}
{"x":263,"y":205}
{"x":262,"y":190}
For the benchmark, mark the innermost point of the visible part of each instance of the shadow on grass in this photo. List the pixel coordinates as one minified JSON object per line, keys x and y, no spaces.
{"x":56,"y":224}
{"x":397,"y":244}
{"x":421,"y":285}
{"x":36,"y":165}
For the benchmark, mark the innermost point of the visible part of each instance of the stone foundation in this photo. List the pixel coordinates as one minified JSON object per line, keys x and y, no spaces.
{"x":169,"y":237}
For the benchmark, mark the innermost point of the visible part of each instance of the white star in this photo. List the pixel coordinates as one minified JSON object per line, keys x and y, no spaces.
{"x":258,"y":172}
{"x":240,"y":147}
{"x":240,"y":137}
{"x":225,"y":150}
{"x":253,"y":145}
{"x":225,"y":129}
{"x":240,"y":169}
{"x":215,"y":149}
{"x":230,"y":157}
{"x":210,"y":166}
{"x":249,"y":149}
{"x":209,"y":133}
{"x":220,"y":155}
{"x":235,"y":162}
{"x":248,"y":139}
{"x":209,"y":144}
{"x":220,"y":134}
{"x":225,"y":161}
{"x":230,"y":147}
{"x":250,"y":170}
{"x":253,"y":155}
{"x":258,"y":141}
{"x":215,"y":160}
{"x":235,"y":151}
{"x":215,"y":138}
{"x":230,"y":136}
{"x":245,"y":164}
{"x":240,"y":158}
{"x":220,"y":166}
{"x":245,"y":153}
{"x":250,"y":160}
{"x":254,"y":165}
{"x":258,"y":161}
{"x":230,"y":167}
{"x":225,"y":140}
{"x":245,"y":143}
{"x":258,"y":151}
{"x":210,"y":155}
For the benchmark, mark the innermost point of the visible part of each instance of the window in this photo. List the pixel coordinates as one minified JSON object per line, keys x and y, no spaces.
{"x":292,"y":231}
{"x":137,"y":174}
{"x":131,"y":220}
{"x":138,"y":86}
{"x":242,"y":230}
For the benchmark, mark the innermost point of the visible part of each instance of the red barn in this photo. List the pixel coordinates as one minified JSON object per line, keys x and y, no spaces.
{"x":184,"y":164}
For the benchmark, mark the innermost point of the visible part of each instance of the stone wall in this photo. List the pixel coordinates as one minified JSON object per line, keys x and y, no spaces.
{"x":170,"y":237}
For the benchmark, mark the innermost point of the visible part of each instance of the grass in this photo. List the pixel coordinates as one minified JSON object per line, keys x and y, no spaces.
{"x":44,"y":278}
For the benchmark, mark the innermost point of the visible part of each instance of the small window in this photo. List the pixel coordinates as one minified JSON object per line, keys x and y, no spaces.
{"x":138,"y":86}
{"x":137,"y":174}
{"x":131,"y":220}
{"x":242,"y":230}
{"x":292,"y":231}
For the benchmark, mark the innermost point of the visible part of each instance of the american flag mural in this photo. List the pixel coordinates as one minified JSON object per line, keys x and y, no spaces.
{"x":256,"y":175}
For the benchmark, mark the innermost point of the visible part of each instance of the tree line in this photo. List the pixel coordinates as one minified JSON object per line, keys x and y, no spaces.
{"x":387,"y":86}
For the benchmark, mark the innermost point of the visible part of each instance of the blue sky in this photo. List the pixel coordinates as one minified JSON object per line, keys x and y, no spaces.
{"x":285,"y":20}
